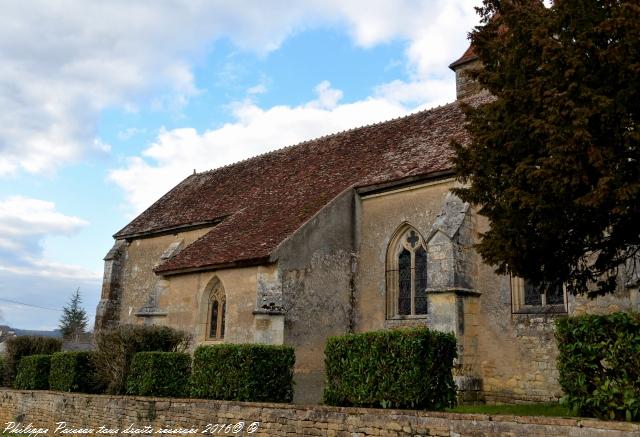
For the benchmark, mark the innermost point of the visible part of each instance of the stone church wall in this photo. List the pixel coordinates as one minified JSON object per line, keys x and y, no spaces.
{"x":188,"y":301}
{"x":301,"y":298}
{"x":517,"y":352}
{"x":129,"y":285}
{"x":329,"y":278}
{"x":504,"y":356}
{"x":381,"y":215}
{"x":178,"y":300}
{"x":316,"y":266}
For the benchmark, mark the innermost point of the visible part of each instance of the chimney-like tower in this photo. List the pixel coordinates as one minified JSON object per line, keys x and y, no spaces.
{"x":465,"y":86}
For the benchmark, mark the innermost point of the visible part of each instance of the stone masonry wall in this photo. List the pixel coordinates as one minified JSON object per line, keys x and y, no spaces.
{"x":465,"y":86}
{"x":143,"y":416}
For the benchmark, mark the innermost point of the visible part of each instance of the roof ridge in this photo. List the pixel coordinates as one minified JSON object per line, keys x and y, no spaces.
{"x":332,"y":134}
{"x":300,"y":181}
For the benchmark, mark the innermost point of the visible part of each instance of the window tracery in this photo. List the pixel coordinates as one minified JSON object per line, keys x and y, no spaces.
{"x":407,"y":274}
{"x":216,"y":312}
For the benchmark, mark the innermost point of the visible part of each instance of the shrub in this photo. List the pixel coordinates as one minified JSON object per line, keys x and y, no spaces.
{"x":74,"y":371}
{"x":402,"y":368}
{"x":159,"y":374}
{"x":243,"y":372}
{"x":19,"y":347}
{"x":599,"y":365}
{"x":116,"y":347}
{"x":33,"y":373}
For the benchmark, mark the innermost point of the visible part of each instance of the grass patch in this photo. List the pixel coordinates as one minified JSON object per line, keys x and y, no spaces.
{"x":551,"y":409}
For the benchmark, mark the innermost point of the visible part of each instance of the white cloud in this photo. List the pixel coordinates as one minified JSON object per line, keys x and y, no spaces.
{"x":22,"y":216}
{"x":436,"y":29}
{"x":62,"y":63}
{"x":24,"y":224}
{"x":327,"y":97}
{"x":421,"y":94}
{"x":175,"y":153}
{"x":258,"y":89}
{"x":27,"y":276}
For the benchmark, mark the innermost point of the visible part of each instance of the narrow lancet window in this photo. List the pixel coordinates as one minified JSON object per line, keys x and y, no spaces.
{"x":216,"y":312}
{"x":421,"y":281}
{"x":404,"y":286}
{"x":213,"y":331}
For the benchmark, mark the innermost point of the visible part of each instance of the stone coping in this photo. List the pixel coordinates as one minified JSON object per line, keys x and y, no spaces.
{"x":162,"y":403}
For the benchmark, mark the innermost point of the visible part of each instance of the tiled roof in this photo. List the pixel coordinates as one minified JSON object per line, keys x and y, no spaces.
{"x":263,"y":200}
{"x":469,"y":55}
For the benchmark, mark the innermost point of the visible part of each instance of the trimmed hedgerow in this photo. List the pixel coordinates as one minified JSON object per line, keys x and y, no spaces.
{"x":19,"y":347}
{"x":599,"y":365}
{"x":33,"y":372}
{"x":74,"y":372}
{"x":402,"y":368}
{"x":116,"y":347}
{"x":159,"y":374}
{"x":243,"y":372}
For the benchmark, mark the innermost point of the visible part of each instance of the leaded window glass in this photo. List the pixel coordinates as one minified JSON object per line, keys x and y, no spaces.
{"x":224,"y":306}
{"x":555,"y":294}
{"x":407,"y":274}
{"x":213,"y":331}
{"x":532,"y":294}
{"x":529,"y":297}
{"x":217,"y":307}
{"x":421,"y":281}
{"x":404,"y":286}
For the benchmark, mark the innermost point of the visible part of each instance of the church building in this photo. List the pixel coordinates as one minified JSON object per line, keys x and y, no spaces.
{"x":351,"y":232}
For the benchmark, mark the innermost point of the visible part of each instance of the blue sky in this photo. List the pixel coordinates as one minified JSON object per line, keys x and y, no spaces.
{"x":107,"y":105}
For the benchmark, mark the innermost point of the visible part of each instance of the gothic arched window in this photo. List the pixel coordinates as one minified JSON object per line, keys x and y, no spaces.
{"x":407,"y":274}
{"x":216,"y":312}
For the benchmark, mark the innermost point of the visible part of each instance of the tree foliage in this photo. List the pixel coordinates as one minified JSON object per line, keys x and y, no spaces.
{"x":599,"y":365}
{"x":19,"y":347}
{"x":116,"y":348}
{"x":554,"y":160}
{"x":74,"y":318}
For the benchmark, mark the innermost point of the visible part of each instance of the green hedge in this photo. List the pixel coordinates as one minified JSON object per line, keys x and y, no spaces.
{"x":116,"y":348}
{"x":159,"y":374}
{"x":33,"y":373}
{"x":401,"y":368}
{"x":243,"y":372}
{"x":599,"y":364}
{"x":19,"y":347}
{"x":74,"y":371}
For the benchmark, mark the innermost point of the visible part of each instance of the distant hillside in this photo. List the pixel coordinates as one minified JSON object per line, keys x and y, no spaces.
{"x":22,"y":332}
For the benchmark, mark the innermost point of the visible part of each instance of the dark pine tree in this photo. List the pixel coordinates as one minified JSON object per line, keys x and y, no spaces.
{"x":74,"y":318}
{"x":554,"y":160}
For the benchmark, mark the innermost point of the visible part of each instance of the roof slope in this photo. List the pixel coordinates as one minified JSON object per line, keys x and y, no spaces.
{"x":467,"y":56}
{"x":264,"y":199}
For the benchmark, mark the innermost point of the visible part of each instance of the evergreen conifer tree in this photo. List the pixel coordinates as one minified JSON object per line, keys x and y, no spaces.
{"x":74,"y":318}
{"x":554,"y":161}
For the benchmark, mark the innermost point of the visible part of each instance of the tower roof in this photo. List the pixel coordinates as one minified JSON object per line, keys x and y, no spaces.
{"x":468,"y":56}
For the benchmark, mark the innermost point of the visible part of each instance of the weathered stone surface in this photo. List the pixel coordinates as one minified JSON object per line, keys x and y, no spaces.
{"x":449,"y":220}
{"x":44,"y":409}
{"x":108,"y":311}
{"x":465,"y":85}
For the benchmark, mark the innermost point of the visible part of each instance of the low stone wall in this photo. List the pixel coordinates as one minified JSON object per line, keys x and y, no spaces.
{"x":125,"y":415}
